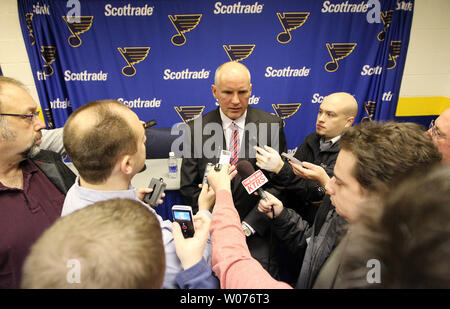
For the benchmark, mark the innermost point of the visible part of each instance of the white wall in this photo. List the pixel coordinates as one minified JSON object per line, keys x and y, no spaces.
{"x":428,"y":62}
{"x":13,"y":55}
{"x":426,"y":72}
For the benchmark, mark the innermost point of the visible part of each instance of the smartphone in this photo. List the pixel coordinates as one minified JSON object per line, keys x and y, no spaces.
{"x":225,"y":157}
{"x":291,"y":158}
{"x":158,"y":186}
{"x":183,"y":215}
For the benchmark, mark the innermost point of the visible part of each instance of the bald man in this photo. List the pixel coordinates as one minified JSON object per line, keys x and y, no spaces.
{"x":440,"y":134}
{"x":305,"y":182}
{"x":106,"y":142}
{"x":234,"y":123}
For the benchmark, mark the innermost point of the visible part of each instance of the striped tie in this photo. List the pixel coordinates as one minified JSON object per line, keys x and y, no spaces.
{"x":234,"y":144}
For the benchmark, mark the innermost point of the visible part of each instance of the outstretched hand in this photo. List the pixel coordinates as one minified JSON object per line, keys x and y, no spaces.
{"x":190,"y":250}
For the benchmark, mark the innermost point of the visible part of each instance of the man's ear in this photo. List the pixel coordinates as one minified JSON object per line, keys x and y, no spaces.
{"x":350,"y":121}
{"x":126,"y":165}
{"x":214,"y":91}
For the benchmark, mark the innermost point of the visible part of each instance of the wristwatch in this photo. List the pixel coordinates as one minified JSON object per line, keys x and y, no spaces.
{"x":246,"y":230}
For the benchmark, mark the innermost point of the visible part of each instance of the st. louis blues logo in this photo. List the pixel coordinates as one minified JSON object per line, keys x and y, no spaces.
{"x":28,"y":20}
{"x":183,"y":24}
{"x":290,"y":21}
{"x":188,"y":113}
{"x":386,"y":17}
{"x":394,"y":51}
{"x":48,"y":53}
{"x":132,"y":55}
{"x":337,"y":52}
{"x":238,"y":52}
{"x":286,"y":110}
{"x":370,"y":107}
{"x":77,"y":25}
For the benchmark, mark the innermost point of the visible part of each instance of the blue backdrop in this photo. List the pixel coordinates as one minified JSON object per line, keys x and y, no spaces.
{"x":159,"y":57}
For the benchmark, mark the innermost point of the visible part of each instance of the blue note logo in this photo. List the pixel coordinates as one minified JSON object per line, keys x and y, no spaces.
{"x":386,"y":17}
{"x":77,"y":25}
{"x":183,"y":24}
{"x":286,"y":110}
{"x":370,"y":108}
{"x":48,"y":53}
{"x":239,"y":52}
{"x":132,"y":55}
{"x":188,"y":113}
{"x":28,"y":21}
{"x":289,"y":22}
{"x":394,"y":51}
{"x":338,"y":51}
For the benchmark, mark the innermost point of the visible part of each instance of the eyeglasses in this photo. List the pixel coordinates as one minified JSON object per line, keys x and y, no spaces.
{"x":32,"y":117}
{"x":435,"y":132}
{"x":149,"y":124}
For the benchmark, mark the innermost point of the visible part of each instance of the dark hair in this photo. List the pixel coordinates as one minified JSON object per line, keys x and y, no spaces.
{"x":408,"y":233}
{"x":95,"y":148}
{"x":386,"y":152}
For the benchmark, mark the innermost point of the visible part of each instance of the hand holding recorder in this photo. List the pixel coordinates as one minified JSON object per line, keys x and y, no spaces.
{"x":189,"y":250}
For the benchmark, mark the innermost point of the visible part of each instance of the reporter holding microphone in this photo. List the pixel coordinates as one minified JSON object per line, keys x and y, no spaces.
{"x":231,"y":259}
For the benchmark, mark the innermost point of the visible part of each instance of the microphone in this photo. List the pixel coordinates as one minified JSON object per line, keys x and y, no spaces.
{"x":245,"y":169}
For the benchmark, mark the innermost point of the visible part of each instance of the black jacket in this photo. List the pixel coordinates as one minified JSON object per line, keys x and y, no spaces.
{"x":299,"y":193}
{"x":319,"y":240}
{"x":54,"y":168}
{"x":193,"y":168}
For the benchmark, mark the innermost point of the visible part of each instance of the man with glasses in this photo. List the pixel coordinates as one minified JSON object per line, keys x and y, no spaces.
{"x":440,"y":134}
{"x":33,"y":183}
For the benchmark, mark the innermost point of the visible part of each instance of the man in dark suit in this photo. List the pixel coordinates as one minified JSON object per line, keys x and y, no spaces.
{"x":236,"y":127}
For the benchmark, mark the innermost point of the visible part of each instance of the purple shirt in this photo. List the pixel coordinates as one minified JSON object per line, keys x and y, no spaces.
{"x":24,"y":215}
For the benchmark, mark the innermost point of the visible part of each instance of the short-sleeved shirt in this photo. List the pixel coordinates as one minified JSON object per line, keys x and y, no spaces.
{"x":24,"y":215}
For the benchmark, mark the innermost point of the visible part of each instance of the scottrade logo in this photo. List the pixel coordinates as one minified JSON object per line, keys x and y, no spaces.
{"x":344,"y":7}
{"x":140,"y":103}
{"x":39,"y":9}
{"x":337,"y":52}
{"x":239,"y":52}
{"x":85,"y":76}
{"x":238,"y":8}
{"x":60,"y":104}
{"x":28,"y":21}
{"x":183,"y":24}
{"x":289,"y":22}
{"x":128,"y":10}
{"x":84,"y":24}
{"x":287,"y":72}
{"x":186,"y":74}
{"x":132,"y":55}
{"x":188,"y":113}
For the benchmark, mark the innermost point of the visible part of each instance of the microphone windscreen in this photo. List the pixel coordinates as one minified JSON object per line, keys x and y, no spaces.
{"x":245,"y":168}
